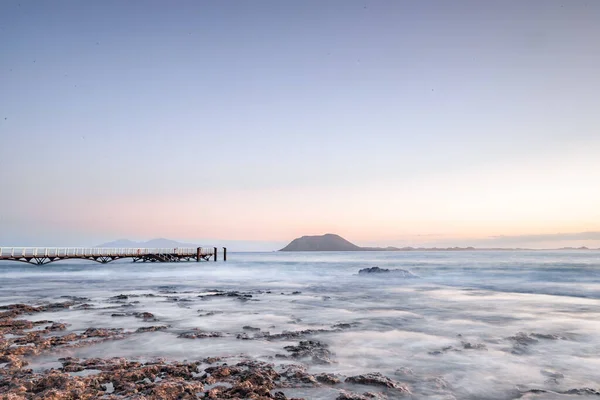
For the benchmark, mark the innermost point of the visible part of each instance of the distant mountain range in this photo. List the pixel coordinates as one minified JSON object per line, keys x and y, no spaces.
{"x":327,"y":242}
{"x":152,"y":244}
{"x":333,"y":242}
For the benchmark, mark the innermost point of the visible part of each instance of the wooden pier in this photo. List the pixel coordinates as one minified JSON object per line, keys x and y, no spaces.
{"x":46,"y":255}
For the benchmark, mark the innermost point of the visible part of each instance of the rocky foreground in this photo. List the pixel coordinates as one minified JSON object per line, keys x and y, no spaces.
{"x":116,"y":378}
{"x":22,"y":340}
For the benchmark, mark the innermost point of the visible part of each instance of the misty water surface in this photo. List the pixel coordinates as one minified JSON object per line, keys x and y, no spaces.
{"x":470,"y":325}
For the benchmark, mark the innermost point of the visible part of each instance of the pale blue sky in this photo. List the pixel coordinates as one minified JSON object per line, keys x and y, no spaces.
{"x":264,"y":120}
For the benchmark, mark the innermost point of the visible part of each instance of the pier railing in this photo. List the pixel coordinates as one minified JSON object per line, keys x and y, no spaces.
{"x":96,"y":252}
{"x":46,"y":255}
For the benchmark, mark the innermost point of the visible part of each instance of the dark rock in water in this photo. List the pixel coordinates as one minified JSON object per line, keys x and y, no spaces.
{"x":151,"y":328}
{"x":85,"y":306}
{"x":120,"y":297}
{"x":198,"y":334}
{"x":377,"y":379}
{"x":329,"y":379}
{"x":237,"y":295}
{"x":102,"y":332}
{"x":346,"y":395}
{"x":118,"y":315}
{"x":474,"y":346}
{"x":442,"y":350}
{"x":547,"y":336}
{"x":174,"y":299}
{"x":375,"y":395}
{"x":581,"y":391}
{"x":57,"y":326}
{"x":344,"y":325}
{"x":373,"y":270}
{"x":297,"y":375}
{"x":289,"y":334}
{"x":211,"y":360}
{"x":312,"y":349}
{"x":396,"y":272}
{"x":209,"y":313}
{"x":523,"y":339}
{"x":250,"y":328}
{"x":75,"y":298}
{"x":58,"y":306}
{"x":146,"y":316}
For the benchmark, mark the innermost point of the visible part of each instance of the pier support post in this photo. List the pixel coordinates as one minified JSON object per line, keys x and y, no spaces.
{"x":198,"y":254}
{"x":215,"y":254}
{"x":224,"y":253}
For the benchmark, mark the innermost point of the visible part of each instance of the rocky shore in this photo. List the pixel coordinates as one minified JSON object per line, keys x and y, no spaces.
{"x":300,"y":361}
{"x":23,"y":339}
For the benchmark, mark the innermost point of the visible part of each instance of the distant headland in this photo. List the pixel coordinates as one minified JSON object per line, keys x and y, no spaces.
{"x":333,"y":242}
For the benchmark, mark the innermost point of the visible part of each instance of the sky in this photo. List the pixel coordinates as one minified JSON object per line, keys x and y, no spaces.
{"x":255,"y":122}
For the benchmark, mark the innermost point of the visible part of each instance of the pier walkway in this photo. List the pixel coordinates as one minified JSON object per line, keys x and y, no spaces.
{"x":45,"y":255}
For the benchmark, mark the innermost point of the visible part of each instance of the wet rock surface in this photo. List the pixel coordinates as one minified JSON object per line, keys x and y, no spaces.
{"x":199,"y":334}
{"x":313,"y":350}
{"x":377,"y":379}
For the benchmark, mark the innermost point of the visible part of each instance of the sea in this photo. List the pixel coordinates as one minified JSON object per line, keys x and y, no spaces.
{"x":448,"y":324}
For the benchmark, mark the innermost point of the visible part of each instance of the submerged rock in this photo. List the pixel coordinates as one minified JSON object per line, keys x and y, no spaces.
{"x":234,"y":294}
{"x":547,"y":336}
{"x":474,"y":346}
{"x":312,"y":349}
{"x":579,"y":391}
{"x":442,"y":350}
{"x":523,"y":339}
{"x":398,"y":272}
{"x":250,"y":328}
{"x":345,"y":325}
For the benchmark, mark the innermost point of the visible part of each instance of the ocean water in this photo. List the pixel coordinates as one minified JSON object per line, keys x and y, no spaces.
{"x":468,"y":325}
